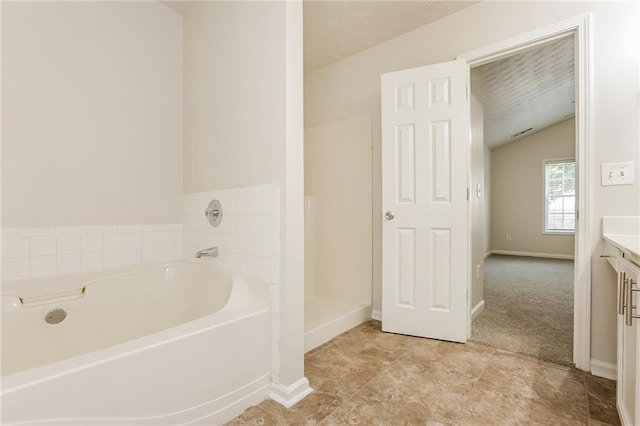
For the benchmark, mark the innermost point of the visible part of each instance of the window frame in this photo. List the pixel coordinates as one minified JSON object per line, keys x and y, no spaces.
{"x":546,"y":161}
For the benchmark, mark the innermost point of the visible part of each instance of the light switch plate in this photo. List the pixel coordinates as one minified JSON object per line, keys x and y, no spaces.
{"x":617,"y":173}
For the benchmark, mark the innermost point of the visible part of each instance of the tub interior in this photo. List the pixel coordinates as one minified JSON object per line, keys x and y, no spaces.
{"x":103,"y":311}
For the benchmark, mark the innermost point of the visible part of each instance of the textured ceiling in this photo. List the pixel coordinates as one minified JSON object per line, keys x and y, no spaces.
{"x":533,"y":89}
{"x":334,"y":30}
{"x":178,"y":5}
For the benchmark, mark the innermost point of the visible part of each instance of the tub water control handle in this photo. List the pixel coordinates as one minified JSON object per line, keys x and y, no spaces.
{"x":213,"y":213}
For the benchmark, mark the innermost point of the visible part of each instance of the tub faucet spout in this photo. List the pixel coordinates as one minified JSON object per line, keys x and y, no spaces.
{"x":209,"y":252}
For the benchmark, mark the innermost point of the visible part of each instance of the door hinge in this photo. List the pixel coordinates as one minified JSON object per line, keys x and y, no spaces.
{"x":467,"y":194}
{"x":577,"y":214}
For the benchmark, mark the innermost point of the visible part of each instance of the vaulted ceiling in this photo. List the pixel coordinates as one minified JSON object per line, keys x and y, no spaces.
{"x":334,"y":30}
{"x":526,"y":92}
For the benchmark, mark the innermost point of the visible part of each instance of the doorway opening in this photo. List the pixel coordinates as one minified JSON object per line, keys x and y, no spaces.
{"x":575,"y":32}
{"x":523,"y":241}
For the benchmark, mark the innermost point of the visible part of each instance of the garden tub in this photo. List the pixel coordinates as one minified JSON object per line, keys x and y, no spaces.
{"x":176,"y":343}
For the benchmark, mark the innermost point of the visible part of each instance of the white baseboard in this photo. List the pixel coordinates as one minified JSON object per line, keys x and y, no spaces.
{"x":289,"y":395}
{"x":376,"y":314}
{"x":477,"y":310}
{"x":324,"y":333}
{"x":603,"y":369}
{"x":528,"y":254}
{"x":487,"y":254}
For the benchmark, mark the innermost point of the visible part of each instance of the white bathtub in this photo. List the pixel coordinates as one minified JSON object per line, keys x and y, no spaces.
{"x":173,"y":344}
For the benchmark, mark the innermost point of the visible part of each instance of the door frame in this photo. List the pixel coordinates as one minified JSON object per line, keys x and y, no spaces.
{"x":580,"y":28}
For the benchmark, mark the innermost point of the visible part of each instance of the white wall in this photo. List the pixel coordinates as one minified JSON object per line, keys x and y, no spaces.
{"x":352,"y":86}
{"x":234,"y":68}
{"x":477,"y":119}
{"x":517,"y":178}
{"x":243,"y":128}
{"x":486,"y":213}
{"x":337,"y":159}
{"x":91,"y":114}
{"x":478,"y":230}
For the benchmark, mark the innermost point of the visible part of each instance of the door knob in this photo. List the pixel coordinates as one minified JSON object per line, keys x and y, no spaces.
{"x":389,"y":216}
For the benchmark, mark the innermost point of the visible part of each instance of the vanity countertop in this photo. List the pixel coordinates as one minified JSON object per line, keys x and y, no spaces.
{"x":623,"y":232}
{"x":628,"y":244}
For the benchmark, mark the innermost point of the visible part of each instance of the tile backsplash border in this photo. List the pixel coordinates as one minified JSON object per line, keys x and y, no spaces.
{"x":248,"y":235}
{"x":37,"y":252}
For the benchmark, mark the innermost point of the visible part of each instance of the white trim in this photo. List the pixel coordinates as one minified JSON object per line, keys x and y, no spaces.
{"x":477,"y":310}
{"x":624,"y":415}
{"x":604,"y":369}
{"x":530,"y":254}
{"x":470,"y":223}
{"x":526,"y":41}
{"x":325,"y":332}
{"x":582,"y":269}
{"x":487,"y":254}
{"x":289,"y":395}
{"x":290,"y":321}
{"x":580,"y":28}
{"x":376,"y":314}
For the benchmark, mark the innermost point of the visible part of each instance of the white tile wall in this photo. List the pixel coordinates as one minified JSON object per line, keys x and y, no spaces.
{"x":31,"y":252}
{"x":112,"y":258}
{"x":15,"y":268}
{"x":132,"y":256}
{"x":69,"y":244}
{"x":150,"y":239}
{"x":15,"y":247}
{"x":42,"y":265}
{"x":91,"y":243}
{"x":92,"y":261}
{"x":42,"y":246}
{"x":248,"y":235}
{"x":132,"y":241}
{"x":69,"y":263}
{"x":149,"y":255}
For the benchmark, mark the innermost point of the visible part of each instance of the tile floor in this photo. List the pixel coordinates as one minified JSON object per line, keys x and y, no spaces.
{"x":365,"y":376}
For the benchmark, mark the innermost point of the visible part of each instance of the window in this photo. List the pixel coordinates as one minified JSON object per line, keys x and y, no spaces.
{"x":560,"y":196}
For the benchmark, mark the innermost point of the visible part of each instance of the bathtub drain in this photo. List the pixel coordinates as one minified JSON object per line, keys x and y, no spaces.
{"x":55,"y":316}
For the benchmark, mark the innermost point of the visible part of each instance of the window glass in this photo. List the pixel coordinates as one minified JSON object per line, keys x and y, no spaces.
{"x":560,"y":196}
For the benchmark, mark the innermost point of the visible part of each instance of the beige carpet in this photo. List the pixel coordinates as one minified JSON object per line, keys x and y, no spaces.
{"x":528,"y":307}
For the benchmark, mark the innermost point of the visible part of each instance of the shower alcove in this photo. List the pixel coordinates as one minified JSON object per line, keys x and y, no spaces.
{"x":338,"y":228}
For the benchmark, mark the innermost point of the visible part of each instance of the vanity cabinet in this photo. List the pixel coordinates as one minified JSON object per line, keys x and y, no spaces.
{"x":628,"y":368}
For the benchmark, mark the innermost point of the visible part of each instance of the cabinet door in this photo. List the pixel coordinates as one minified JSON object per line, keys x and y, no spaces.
{"x":628,"y":394}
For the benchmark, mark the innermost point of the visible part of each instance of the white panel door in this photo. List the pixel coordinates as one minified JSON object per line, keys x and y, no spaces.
{"x":425,"y":230}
